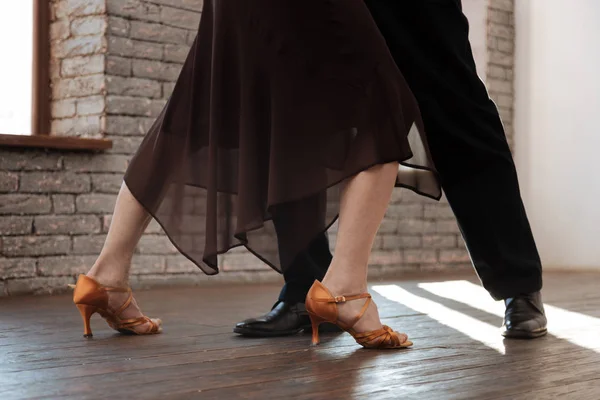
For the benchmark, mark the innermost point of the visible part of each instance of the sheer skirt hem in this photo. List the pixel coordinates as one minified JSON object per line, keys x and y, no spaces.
{"x":209,"y":264}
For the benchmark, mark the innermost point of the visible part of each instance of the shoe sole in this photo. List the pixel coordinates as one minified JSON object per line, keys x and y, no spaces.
{"x":324,"y":328}
{"x":258,"y":334}
{"x":525,"y":334}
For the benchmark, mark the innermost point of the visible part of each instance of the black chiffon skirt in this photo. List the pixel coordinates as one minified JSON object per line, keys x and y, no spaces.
{"x":278,"y":102}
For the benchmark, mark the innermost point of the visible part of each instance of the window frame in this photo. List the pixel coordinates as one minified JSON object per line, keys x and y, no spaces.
{"x":40,"y":113}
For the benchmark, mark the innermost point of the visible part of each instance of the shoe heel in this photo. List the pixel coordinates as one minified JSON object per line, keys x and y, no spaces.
{"x":86,"y":313}
{"x":315,"y":321}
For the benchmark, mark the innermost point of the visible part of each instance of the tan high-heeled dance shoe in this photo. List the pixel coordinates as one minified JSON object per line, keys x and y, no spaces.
{"x":322,"y":307}
{"x":91,"y":297}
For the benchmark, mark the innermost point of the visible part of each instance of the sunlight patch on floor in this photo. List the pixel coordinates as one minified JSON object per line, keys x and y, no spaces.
{"x":483,"y":332}
{"x":579,"y":329}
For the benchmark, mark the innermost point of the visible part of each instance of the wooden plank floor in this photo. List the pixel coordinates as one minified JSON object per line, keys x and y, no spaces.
{"x":43,"y":353}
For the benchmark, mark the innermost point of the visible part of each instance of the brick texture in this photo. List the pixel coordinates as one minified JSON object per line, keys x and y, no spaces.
{"x":500,"y":68}
{"x":77,"y":67}
{"x":113,"y":66}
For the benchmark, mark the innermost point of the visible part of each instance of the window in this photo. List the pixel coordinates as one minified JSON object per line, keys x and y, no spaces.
{"x":24,"y":69}
{"x":25,"y":79}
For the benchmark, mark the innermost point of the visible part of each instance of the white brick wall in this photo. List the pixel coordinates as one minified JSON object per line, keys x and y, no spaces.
{"x":114,"y":63}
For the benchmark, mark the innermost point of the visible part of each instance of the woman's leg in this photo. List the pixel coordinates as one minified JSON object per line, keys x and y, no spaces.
{"x":129,"y":221}
{"x":364,"y":202}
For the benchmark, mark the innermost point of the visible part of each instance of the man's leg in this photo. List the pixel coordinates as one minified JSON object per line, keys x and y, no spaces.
{"x":309,"y":265}
{"x":429,"y":41}
{"x":288,"y":316}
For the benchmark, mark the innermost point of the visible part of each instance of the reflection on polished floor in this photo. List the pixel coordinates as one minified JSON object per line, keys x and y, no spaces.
{"x":458,"y":352}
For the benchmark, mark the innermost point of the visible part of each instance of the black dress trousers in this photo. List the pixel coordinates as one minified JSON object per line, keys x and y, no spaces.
{"x":429,"y":42}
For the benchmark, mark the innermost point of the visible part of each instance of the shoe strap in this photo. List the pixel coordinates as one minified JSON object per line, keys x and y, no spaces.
{"x":343,"y":299}
{"x":362,"y":312}
{"x":120,"y":290}
{"x":378,"y":338}
{"x":116,"y":289}
{"x":125,"y":305}
{"x":133,"y":322}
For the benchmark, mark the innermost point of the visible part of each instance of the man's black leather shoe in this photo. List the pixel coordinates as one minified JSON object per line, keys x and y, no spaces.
{"x":283,"y":320}
{"x":524,"y":317}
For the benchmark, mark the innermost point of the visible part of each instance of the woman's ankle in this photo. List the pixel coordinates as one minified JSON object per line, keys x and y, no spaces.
{"x":114,"y":276}
{"x":344,"y":286}
{"x":109,"y":281}
{"x":346,"y":277}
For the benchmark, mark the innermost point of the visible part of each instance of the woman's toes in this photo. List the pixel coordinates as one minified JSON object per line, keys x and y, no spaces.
{"x":158,"y":323}
{"x":403,"y":337}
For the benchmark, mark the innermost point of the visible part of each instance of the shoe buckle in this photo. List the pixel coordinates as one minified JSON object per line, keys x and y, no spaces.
{"x":340,"y":299}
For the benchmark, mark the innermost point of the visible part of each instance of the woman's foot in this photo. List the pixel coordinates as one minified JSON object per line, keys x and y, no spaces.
{"x":356,"y":313}
{"x":115,"y":304}
{"x":109,"y":273}
{"x":131,"y":312}
{"x":348,"y":311}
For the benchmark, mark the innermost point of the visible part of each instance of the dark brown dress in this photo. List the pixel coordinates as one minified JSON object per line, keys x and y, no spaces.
{"x":278,"y":102}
